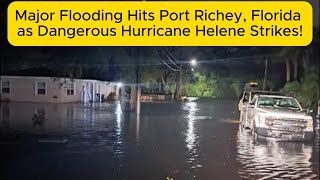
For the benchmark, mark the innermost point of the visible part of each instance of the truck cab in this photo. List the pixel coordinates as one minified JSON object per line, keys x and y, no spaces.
{"x":278,"y":117}
{"x":245,"y":95}
{"x":250,"y":90}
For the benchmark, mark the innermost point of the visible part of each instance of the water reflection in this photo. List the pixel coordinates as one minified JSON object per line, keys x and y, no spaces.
{"x":138,"y":128}
{"x":191,"y":134}
{"x":119,"y":115}
{"x":119,"y":139}
{"x":270,"y":160}
{"x":5,"y":115}
{"x":33,"y":118}
{"x":88,"y":128}
{"x":185,"y":142}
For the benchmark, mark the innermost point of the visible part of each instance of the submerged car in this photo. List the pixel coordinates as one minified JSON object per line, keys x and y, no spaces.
{"x":279,"y":117}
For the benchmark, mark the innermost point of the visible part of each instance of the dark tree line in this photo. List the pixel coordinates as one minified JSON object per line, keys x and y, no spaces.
{"x":221,"y":72}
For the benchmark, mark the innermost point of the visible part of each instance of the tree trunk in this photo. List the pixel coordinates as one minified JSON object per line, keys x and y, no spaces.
{"x":163,"y":81}
{"x":265,"y":75}
{"x":136,"y":89}
{"x":295,"y":70}
{"x":133,"y":98}
{"x":178,"y":84}
{"x":288,"y":74}
{"x":305,"y":59}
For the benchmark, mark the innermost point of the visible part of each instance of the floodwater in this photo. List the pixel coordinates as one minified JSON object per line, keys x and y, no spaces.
{"x":198,"y":139}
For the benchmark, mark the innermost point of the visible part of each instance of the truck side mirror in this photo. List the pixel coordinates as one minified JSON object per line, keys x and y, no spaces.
{"x":309,"y":110}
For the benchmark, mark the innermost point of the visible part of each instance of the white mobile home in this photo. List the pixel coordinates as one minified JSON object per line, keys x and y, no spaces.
{"x":54,"y":89}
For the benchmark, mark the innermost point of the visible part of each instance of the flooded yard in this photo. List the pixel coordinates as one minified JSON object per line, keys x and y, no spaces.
{"x":198,"y":139}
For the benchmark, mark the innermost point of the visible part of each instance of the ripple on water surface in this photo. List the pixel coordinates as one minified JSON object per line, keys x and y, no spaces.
{"x":276,"y":160}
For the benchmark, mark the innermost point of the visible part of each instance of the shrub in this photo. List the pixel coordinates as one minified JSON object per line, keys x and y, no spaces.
{"x":307,"y":92}
{"x":291,"y":88}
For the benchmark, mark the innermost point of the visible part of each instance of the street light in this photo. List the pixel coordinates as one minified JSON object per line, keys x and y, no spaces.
{"x":193,"y":62}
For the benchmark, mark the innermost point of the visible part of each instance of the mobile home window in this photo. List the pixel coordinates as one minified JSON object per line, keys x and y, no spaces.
{"x":70,"y":89}
{"x":41,"y":88}
{"x":5,"y":87}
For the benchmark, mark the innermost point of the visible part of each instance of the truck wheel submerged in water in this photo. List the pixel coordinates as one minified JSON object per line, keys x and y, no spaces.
{"x":241,"y":118}
{"x":253,"y":129}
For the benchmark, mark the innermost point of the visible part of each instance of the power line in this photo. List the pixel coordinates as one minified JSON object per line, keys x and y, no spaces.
{"x":168,"y":65}
{"x":236,"y":58}
{"x":207,"y":61}
{"x":170,"y":59}
{"x":172,"y":55}
{"x":144,"y":84}
{"x":165,"y":62}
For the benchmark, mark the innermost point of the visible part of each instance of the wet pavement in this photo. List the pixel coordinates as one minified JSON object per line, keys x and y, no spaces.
{"x":198,"y":139}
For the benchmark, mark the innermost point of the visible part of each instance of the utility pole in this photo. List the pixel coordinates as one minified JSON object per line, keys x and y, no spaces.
{"x":136,"y":88}
{"x":138,"y":80}
{"x":265,"y":74}
{"x":179,"y":83}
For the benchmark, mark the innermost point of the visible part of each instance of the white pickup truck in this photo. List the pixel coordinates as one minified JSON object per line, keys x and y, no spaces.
{"x":248,"y":95}
{"x":277,"y":117}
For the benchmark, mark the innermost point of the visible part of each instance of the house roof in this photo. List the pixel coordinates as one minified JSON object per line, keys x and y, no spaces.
{"x":46,"y":72}
{"x":39,"y":71}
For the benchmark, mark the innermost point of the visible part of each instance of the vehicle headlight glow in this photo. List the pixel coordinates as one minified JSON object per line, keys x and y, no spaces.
{"x":262,"y":119}
{"x":269,"y":121}
{"x":310,"y":124}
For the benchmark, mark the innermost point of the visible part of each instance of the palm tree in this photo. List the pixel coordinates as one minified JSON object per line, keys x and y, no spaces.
{"x":300,"y":55}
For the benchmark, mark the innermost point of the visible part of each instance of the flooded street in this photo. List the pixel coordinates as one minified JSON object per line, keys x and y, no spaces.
{"x":198,"y":139}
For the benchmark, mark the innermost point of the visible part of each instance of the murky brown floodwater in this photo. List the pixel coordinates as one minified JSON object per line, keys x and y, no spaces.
{"x":199,"y":139}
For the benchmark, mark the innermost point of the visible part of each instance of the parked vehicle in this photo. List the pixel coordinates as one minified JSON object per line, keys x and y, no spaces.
{"x":247,"y":97}
{"x":251,"y":89}
{"x":279,"y":117}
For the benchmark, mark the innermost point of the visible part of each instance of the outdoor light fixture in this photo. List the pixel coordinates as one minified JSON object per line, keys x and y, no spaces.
{"x":193,"y":62}
{"x":119,"y":84}
{"x":192,"y":69}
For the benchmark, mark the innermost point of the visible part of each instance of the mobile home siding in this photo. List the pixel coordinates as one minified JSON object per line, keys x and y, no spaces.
{"x":24,"y":89}
{"x":76,"y":97}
